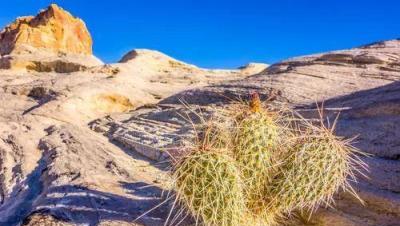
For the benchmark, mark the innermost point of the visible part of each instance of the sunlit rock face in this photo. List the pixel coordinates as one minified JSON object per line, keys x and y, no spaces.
{"x":53,"y":29}
{"x":52,"y":41}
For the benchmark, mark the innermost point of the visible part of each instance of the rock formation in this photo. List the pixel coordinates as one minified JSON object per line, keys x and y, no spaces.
{"x":52,"y":41}
{"x":52,"y":29}
{"x":253,"y":68}
{"x":152,"y":61}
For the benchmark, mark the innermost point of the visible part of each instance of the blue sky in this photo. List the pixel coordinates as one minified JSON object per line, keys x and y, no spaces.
{"x":225,"y":33}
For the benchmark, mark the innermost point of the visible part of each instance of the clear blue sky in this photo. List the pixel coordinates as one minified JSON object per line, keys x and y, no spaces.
{"x":225,"y":33}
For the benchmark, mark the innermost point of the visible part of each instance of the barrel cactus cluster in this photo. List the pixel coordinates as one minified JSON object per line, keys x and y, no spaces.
{"x":257,"y":169}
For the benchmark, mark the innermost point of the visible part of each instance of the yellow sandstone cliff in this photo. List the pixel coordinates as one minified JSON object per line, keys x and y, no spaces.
{"x":53,"y":29}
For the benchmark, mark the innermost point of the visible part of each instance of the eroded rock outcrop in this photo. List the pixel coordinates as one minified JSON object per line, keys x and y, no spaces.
{"x":53,"y":29}
{"x":52,"y":41}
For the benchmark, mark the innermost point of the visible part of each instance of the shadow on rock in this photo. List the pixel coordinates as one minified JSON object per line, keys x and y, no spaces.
{"x":23,"y":196}
{"x":80,"y":205}
{"x":142,"y":189}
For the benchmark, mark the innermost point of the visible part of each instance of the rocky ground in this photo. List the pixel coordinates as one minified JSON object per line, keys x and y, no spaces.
{"x":85,"y":143}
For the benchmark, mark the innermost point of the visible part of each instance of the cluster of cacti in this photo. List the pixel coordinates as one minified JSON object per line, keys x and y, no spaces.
{"x":254,"y":170}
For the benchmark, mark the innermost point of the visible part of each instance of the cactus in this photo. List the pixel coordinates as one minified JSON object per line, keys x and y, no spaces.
{"x":261,"y":219}
{"x":208,"y":184}
{"x":315,"y":168}
{"x":215,"y":134}
{"x":256,"y":139}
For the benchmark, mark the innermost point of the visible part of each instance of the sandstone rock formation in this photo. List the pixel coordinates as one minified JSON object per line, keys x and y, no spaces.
{"x":53,"y":29}
{"x":52,"y":41}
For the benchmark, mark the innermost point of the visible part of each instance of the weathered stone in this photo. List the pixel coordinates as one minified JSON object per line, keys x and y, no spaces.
{"x":53,"y":29}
